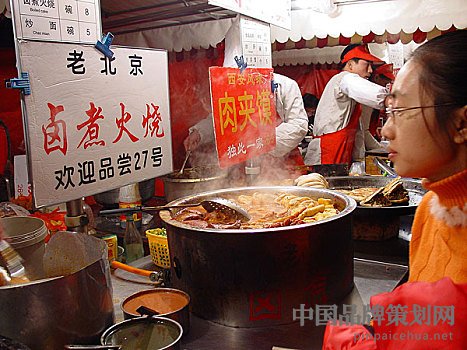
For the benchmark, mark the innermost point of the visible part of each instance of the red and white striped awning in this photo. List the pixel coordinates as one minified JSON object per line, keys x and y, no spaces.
{"x":376,"y":21}
{"x":381,"y":20}
{"x":418,"y":36}
{"x":317,"y":38}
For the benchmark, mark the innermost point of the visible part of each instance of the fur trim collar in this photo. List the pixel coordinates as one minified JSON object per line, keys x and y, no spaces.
{"x":454,"y":216}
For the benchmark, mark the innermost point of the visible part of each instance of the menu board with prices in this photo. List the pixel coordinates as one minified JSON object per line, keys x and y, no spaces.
{"x":256,"y":42}
{"x":58,"y":20}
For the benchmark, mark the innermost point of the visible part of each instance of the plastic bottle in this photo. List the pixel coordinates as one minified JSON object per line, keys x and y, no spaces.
{"x":132,"y":241}
{"x":357,"y":168}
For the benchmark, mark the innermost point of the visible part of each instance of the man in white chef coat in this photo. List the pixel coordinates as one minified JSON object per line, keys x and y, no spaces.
{"x":337,"y":119}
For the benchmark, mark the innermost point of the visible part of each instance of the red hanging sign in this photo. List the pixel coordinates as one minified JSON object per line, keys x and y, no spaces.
{"x":244,"y":113}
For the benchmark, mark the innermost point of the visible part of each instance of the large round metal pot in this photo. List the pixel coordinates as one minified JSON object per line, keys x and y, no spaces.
{"x":110,"y":198}
{"x":255,"y":278}
{"x":192,"y":181}
{"x":73,"y":308}
{"x":378,"y":223}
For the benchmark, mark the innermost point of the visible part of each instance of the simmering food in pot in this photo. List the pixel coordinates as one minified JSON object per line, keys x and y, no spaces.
{"x":267,"y":210}
{"x":393,"y":193}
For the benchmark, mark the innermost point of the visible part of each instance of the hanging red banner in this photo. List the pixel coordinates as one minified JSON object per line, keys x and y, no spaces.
{"x":244,"y":113}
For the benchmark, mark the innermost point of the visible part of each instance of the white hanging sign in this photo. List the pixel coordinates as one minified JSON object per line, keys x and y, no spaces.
{"x":396,"y":54}
{"x":94,"y":123}
{"x":274,"y":12}
{"x":256,"y":42}
{"x":76,"y":21}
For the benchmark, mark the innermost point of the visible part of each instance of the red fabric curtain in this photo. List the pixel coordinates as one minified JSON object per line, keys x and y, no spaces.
{"x":10,"y":108}
{"x":189,"y":99}
{"x":311,"y":79}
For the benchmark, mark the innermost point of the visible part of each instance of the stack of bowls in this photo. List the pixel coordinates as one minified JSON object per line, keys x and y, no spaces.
{"x":26,"y":236}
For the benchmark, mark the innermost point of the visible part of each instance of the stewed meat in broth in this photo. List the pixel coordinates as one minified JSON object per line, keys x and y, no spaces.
{"x":267,"y":210}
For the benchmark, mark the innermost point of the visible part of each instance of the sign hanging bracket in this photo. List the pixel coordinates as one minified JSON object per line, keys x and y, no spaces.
{"x":240,"y":63}
{"x":274,"y":86}
{"x":104,"y":45}
{"x":20,"y":83}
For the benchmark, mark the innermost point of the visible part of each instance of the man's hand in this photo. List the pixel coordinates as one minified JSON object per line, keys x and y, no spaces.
{"x":192,"y":141}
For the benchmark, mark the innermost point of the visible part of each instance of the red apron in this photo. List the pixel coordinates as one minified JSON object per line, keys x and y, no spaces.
{"x":337,"y":147}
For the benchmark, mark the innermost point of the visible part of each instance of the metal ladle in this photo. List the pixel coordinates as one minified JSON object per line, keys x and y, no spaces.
{"x":221,"y":204}
{"x":381,"y":164}
{"x":184,"y":163}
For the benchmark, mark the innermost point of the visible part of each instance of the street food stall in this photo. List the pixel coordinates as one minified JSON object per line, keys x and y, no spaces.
{"x":226,"y":262}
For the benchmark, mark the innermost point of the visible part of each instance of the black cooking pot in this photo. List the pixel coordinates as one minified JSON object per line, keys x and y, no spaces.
{"x":378,"y":223}
{"x":257,"y":277}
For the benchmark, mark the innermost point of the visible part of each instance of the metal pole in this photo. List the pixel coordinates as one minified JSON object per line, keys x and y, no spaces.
{"x":76,"y":220}
{"x":252,"y":171}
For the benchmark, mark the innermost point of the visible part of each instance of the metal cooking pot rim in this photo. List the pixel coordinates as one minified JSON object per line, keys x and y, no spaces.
{"x":41,"y":281}
{"x":144,"y":319}
{"x":211,"y":172}
{"x":191,"y":180}
{"x":350,"y":205}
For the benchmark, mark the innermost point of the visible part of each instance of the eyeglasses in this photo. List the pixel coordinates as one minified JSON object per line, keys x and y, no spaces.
{"x":393,"y":112}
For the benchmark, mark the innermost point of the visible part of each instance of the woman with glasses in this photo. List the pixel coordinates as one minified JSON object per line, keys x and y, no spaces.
{"x":427,"y":134}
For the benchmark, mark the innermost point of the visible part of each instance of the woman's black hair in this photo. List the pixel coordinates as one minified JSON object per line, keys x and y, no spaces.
{"x":443,"y":77}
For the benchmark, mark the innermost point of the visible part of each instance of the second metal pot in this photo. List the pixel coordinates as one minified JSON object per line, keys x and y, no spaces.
{"x":110,"y":198}
{"x":192,"y":181}
{"x":73,"y":308}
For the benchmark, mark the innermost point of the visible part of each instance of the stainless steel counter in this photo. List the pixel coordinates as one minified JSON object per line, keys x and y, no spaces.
{"x":370,"y":278}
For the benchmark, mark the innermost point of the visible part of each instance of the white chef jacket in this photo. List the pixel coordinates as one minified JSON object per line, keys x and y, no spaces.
{"x":336,"y":105}
{"x":289,"y":106}
{"x":368,"y":143}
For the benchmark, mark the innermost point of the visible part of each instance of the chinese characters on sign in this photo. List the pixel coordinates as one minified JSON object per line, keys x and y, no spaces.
{"x":51,"y":20}
{"x":106,"y":168}
{"x":244,"y":113}
{"x":95,"y":124}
